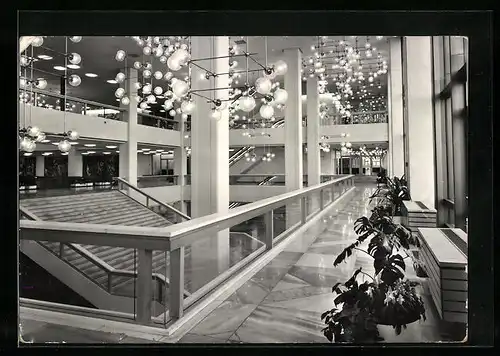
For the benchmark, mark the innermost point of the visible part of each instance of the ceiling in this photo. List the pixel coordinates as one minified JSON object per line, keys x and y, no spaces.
{"x":98,"y":57}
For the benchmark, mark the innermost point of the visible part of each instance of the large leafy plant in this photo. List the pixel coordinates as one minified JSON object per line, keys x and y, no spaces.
{"x":386,"y":297}
{"x":392,"y":195}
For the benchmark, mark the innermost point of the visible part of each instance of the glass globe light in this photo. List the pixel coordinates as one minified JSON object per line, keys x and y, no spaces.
{"x":33,"y":131}
{"x":168,"y":94}
{"x":64,"y":146}
{"x":148,"y":66}
{"x":184,"y":116}
{"x":125,"y":100}
{"x":37,"y":41}
{"x":74,"y":80}
{"x":187,"y":106}
{"x":271,"y":75}
{"x":247,"y":103}
{"x":158,"y":52}
{"x":40,"y":137}
{"x":75,"y":39}
{"x":151,"y":98}
{"x":182,"y":56}
{"x":137,"y":65}
{"x":280,"y":67}
{"x":146,"y":89}
{"x":73,"y":135}
{"x":24,"y":61}
{"x":215,"y":114}
{"x":171,"y":48}
{"x":263,"y":85}
{"x":168,"y":76}
{"x":41,"y":83}
{"x":163,"y":59}
{"x":280,"y":96}
{"x":173,"y":63}
{"x":143,"y":105}
{"x":146,"y":73}
{"x":184,"y":46}
{"x":156,"y":40}
{"x":147,"y":51}
{"x":137,"y":85}
{"x":178,"y":111}
{"x":30,"y":146}
{"x":74,"y":58}
{"x":172,"y":112}
{"x":266,"y":111}
{"x":158,"y":75}
{"x":166,"y":42}
{"x":168,"y":104}
{"x":348,"y":144}
{"x":120,"y":56}
{"x":120,"y":77}
{"x":180,"y":88}
{"x":119,"y":92}
{"x":158,"y":90}
{"x":24,"y":142}
{"x":137,"y":98}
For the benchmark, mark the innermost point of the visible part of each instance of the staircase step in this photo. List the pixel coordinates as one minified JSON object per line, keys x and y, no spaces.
{"x":90,"y":213}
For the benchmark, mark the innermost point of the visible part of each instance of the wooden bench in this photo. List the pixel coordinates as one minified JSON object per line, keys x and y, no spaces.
{"x":444,"y":253}
{"x":416,"y":215}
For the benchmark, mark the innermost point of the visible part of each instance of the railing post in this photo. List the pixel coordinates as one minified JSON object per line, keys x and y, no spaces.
{"x":269,"y":224}
{"x":144,"y":290}
{"x":321,"y":200}
{"x":303,"y":209}
{"x":176,"y":307}
{"x":110,"y":275}
{"x":333,"y":192}
{"x":61,"y":250}
{"x":147,"y":202}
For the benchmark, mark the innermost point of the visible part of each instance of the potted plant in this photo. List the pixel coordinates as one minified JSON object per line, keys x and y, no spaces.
{"x":387,"y":297}
{"x":392,"y":196}
{"x":382,"y":177}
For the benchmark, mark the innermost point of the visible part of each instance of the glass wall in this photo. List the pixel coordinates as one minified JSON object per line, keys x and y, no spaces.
{"x":450,"y":128}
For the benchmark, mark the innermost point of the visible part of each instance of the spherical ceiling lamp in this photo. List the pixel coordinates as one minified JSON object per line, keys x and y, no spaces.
{"x":41,"y":83}
{"x":187,"y":106}
{"x":146,"y":89}
{"x":263,"y":85}
{"x":163,"y":59}
{"x":143,"y":105}
{"x":120,"y":56}
{"x":137,"y":65}
{"x":158,"y":90}
{"x":180,"y":88}
{"x":215,"y":114}
{"x":37,"y":41}
{"x":172,"y":112}
{"x":33,"y":131}
{"x":247,"y":103}
{"x":168,"y":76}
{"x":75,"y":39}
{"x":151,"y":98}
{"x":125,"y":100}
{"x":280,"y":96}
{"x":348,"y":144}
{"x":168,"y":104}
{"x":146,"y":73}
{"x":184,"y":116}
{"x":266,"y":111}
{"x":168,"y":94}
{"x":280,"y":67}
{"x":137,"y":85}
{"x":74,"y":58}
{"x":119,"y":92}
{"x":120,"y":77}
{"x":24,"y":61}
{"x":73,"y":135}
{"x":148,"y":66}
{"x":182,"y":56}
{"x":158,"y":52}
{"x":64,"y":146}
{"x":74,"y":80}
{"x":147,"y":51}
{"x":40,"y":137}
{"x":158,"y":75}
{"x":173,"y":63}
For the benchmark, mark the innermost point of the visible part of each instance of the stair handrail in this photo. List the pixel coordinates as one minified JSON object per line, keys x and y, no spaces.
{"x":147,"y":196}
{"x":89,"y":256}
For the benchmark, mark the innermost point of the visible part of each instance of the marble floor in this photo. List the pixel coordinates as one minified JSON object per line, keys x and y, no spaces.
{"x":284,"y":301}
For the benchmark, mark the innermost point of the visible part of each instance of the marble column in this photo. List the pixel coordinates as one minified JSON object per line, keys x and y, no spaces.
{"x":40,"y":166}
{"x":128,"y":150}
{"x":293,"y":131}
{"x":313,"y":152}
{"x":209,"y":156}
{"x":75,"y":163}
{"x":180,"y":165}
{"x":420,"y":129}
{"x":395,"y":109}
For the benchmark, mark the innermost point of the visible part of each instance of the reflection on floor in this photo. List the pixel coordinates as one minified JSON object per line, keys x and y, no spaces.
{"x":284,"y":301}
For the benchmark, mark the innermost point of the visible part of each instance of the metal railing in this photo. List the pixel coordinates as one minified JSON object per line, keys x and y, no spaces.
{"x":176,"y":238}
{"x":157,"y":181}
{"x":148,"y":198}
{"x":157,"y":121}
{"x":53,"y":101}
{"x":369,"y":117}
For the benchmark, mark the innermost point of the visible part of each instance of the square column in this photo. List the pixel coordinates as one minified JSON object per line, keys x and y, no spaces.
{"x":293,"y":131}
{"x":313,"y":154}
{"x":420,"y":119}
{"x":209,"y":156}
{"x":395,"y":109}
{"x":180,"y":164}
{"x":75,"y":163}
{"x":40,"y":166}
{"x":128,"y":150}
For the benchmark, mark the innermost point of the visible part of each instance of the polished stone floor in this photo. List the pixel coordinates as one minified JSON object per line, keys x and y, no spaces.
{"x":284,"y":301}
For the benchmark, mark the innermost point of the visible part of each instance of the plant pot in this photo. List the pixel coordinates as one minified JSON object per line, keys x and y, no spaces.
{"x":407,"y":319}
{"x":414,"y":333}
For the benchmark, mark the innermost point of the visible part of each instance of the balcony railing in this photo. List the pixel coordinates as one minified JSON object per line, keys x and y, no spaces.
{"x":157,"y":181}
{"x":369,"y":117}
{"x":157,"y":121}
{"x":53,"y":101}
{"x":191,"y":280}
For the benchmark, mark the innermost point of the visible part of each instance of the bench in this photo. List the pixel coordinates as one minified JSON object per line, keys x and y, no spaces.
{"x":444,"y":253}
{"x":416,"y":215}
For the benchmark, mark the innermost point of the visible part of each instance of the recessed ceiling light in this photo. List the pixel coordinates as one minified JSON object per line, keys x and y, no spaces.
{"x":45,"y":141}
{"x":117,"y":151}
{"x":160,"y":150}
{"x":73,"y":143}
{"x":64,"y":153}
{"x":46,"y":153}
{"x":59,"y":68}
{"x":112,"y":81}
{"x":73,"y":66}
{"x":55,"y":143}
{"x":107,"y":153}
{"x":91,"y":75}
{"x":89,"y":145}
{"x":118,"y":100}
{"x":146,"y":149}
{"x":90,"y":152}
{"x":162,"y":110}
{"x":147,"y":152}
{"x":111,"y":146}
{"x":44,"y":57}
{"x":85,"y":153}
{"x":28,"y":153}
